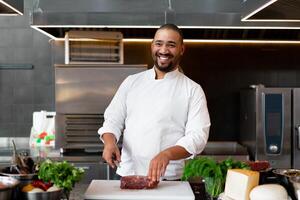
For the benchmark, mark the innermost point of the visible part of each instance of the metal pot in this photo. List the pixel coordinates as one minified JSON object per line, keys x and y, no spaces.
{"x":54,"y":195}
{"x":23,"y":178}
{"x":295,"y":180}
{"x":7,"y":192}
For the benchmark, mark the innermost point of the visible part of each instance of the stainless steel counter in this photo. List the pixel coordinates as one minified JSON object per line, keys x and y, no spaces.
{"x":78,"y":191}
{"x":219,"y":150}
{"x":22,"y":145}
{"x":223,"y":149}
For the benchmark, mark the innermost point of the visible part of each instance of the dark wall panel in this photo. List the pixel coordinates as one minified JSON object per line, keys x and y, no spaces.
{"x":224,"y":69}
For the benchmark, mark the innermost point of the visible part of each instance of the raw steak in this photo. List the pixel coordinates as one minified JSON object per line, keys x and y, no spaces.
{"x":259,"y":165}
{"x":137,"y":182}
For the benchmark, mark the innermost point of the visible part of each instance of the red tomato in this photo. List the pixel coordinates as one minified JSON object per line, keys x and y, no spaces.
{"x":41,"y":184}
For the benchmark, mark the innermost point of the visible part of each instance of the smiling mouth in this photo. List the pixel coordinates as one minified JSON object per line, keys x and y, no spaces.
{"x":163,"y":58}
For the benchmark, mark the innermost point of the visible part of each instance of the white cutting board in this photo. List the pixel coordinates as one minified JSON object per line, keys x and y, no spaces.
{"x":166,"y":190}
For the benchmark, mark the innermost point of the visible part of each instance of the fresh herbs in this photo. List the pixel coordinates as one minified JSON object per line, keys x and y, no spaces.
{"x":213,"y":172}
{"x":62,"y":174}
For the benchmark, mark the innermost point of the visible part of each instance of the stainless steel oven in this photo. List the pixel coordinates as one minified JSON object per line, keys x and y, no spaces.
{"x":270,"y":125}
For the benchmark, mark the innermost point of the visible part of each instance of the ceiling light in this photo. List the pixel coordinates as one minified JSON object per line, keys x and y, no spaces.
{"x":11,"y":7}
{"x":222,"y":41}
{"x":258,"y":9}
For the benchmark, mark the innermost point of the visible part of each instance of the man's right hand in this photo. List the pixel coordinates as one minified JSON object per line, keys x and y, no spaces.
{"x":111,"y":150}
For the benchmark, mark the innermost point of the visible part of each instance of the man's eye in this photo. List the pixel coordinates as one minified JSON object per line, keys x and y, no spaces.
{"x":171,"y":45}
{"x":158,"y":44}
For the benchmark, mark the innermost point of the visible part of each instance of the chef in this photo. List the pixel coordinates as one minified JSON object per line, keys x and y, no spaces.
{"x":161,"y":113}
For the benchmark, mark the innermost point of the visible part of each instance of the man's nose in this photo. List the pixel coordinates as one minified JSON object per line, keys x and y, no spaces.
{"x":164,"y":49}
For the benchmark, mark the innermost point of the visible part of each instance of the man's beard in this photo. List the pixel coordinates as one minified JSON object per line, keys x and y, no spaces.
{"x":171,"y":66}
{"x":168,"y":68}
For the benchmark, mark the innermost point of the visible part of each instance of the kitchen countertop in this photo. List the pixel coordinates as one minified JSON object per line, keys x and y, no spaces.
{"x":217,"y":149}
{"x":78,"y":191}
{"x":22,"y":145}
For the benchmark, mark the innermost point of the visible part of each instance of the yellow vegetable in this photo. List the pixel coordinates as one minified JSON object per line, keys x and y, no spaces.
{"x":27,"y":188}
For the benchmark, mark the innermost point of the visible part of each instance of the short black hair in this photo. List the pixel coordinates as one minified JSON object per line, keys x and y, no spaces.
{"x":172,"y":27}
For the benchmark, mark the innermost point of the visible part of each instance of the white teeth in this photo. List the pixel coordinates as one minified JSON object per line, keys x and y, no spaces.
{"x":163,"y":58}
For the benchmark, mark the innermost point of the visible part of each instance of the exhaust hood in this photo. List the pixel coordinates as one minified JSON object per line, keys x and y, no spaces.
{"x":11,"y":7}
{"x":199,"y":19}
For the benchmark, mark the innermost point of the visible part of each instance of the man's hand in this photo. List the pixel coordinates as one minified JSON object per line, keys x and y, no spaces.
{"x":158,"y":166}
{"x":111,"y":150}
{"x":159,"y":163}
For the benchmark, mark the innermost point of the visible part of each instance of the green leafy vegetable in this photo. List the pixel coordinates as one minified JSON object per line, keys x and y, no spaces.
{"x":213,"y":172}
{"x":62,"y":174}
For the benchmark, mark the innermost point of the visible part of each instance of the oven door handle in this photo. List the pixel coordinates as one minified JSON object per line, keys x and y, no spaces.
{"x":298,"y":139}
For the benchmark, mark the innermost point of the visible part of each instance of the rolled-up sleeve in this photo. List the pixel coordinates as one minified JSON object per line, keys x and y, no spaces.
{"x":197,"y":125}
{"x":115,"y":113}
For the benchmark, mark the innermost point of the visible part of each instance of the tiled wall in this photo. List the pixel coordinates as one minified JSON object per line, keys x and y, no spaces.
{"x":23,"y":91}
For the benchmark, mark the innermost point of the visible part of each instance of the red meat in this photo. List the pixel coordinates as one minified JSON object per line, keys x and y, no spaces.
{"x":137,"y":182}
{"x":259,"y":165}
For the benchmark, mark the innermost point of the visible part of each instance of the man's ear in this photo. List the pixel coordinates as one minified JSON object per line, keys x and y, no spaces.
{"x":151,"y":45}
{"x":182,"y":49}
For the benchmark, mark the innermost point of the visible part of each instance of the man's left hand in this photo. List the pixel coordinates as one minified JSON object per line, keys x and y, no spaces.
{"x":159,"y":163}
{"x":158,"y":166}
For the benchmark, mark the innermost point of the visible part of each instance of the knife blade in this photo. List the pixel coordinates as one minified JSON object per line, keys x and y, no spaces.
{"x":117,"y":163}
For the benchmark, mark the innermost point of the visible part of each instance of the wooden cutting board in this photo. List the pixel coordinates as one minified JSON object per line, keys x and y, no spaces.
{"x":166,"y":190}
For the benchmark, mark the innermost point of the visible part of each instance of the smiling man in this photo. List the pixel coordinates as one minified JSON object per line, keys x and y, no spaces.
{"x":161,"y":113}
{"x":167,"y":49}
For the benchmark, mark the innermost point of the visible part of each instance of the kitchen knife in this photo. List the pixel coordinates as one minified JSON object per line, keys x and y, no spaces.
{"x":114,"y":159}
{"x":117,"y":163}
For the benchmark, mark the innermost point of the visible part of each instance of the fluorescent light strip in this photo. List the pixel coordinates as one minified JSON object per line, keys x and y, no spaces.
{"x":44,"y":32}
{"x":93,"y":26}
{"x":273,"y":20}
{"x":258,"y":9}
{"x":210,"y":41}
{"x":9,"y":14}
{"x":86,"y":39}
{"x":11,"y":7}
{"x":182,"y":27}
{"x":221,"y":41}
{"x":240,"y":27}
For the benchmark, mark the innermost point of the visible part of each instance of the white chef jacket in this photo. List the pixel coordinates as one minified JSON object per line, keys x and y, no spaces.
{"x":155,"y":114}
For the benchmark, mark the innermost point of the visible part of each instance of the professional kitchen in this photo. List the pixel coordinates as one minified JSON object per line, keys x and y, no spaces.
{"x":149,"y":100}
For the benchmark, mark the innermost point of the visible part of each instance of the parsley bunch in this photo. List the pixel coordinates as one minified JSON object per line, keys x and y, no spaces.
{"x":62,"y":174}
{"x":213,"y":172}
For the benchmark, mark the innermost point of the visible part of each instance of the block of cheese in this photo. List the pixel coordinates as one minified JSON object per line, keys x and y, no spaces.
{"x":239,"y":183}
